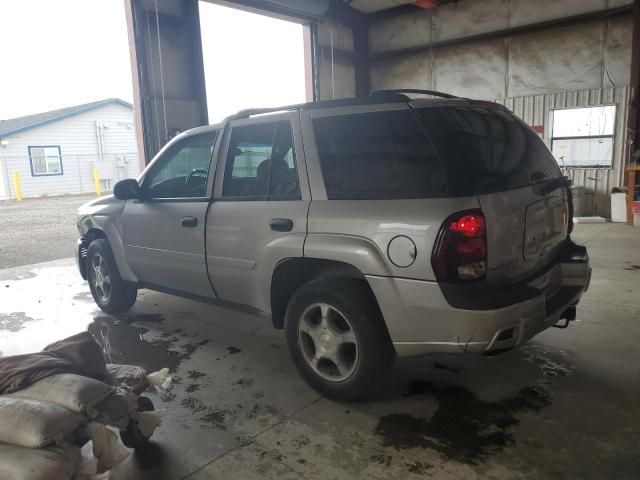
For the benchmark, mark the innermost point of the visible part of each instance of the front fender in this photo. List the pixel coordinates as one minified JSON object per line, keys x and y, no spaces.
{"x":105,"y":215}
{"x":363,"y":254}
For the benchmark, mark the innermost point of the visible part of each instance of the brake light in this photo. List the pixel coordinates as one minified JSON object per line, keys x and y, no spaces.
{"x":460,"y":253}
{"x":468,"y":225}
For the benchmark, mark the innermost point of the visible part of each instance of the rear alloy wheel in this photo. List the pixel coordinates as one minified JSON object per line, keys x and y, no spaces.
{"x":328,"y":342}
{"x":337,"y":338}
{"x":109,"y":291}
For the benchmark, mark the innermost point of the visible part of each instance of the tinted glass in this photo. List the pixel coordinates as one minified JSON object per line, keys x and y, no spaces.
{"x":183,"y":169}
{"x":380,"y":155}
{"x":261,"y":162}
{"x":487,"y":149}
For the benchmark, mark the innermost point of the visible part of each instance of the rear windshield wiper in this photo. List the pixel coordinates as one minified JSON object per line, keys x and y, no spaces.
{"x":554,"y":184}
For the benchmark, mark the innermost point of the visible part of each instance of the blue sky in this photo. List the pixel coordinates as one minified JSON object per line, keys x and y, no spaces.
{"x":76,"y":51}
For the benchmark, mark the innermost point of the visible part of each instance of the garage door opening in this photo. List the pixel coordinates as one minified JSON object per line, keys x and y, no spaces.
{"x":250,"y":60}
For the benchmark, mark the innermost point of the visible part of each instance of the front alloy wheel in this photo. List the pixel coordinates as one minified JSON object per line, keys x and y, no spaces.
{"x":110,"y":292}
{"x":100,"y":278}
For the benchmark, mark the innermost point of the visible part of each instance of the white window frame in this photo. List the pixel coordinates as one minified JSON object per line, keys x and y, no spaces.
{"x":611,"y":136}
{"x":48,"y":172}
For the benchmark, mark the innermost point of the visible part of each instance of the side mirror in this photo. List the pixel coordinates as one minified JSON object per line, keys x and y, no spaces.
{"x":127,"y":190}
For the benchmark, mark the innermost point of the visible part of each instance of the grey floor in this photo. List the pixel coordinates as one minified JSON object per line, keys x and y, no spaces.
{"x":563,"y":406}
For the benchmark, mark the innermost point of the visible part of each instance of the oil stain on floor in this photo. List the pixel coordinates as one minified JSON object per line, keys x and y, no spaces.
{"x":463,"y":428}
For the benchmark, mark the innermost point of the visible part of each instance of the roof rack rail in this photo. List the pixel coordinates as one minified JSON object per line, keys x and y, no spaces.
{"x":412,"y":90}
{"x":248,"y":112}
{"x":340,"y":102}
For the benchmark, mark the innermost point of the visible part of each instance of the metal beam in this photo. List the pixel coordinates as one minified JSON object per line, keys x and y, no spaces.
{"x":509,"y":32}
{"x":282,"y":9}
{"x":400,"y":10}
{"x":360,"y":31}
{"x":631,"y":175}
{"x":168,"y":71}
{"x":358,"y":23}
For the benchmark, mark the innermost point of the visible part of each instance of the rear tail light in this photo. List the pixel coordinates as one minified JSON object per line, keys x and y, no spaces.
{"x":460,"y":252}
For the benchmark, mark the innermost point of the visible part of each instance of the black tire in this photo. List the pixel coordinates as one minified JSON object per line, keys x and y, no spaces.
{"x":375,"y":356}
{"x":119,"y":296}
{"x":132,"y":437}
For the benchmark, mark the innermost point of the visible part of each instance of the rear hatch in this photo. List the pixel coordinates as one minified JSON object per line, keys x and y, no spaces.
{"x":488,"y":152}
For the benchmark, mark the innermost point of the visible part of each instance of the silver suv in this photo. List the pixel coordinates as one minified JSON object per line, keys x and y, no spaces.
{"x":366,"y":228}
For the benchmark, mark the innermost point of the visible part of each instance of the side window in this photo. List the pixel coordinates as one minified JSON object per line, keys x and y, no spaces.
{"x":261,"y":163}
{"x":377,"y":156}
{"x":183,"y":170}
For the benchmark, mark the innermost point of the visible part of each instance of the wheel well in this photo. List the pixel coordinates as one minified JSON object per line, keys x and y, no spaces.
{"x":292,"y":273}
{"x":91,"y":235}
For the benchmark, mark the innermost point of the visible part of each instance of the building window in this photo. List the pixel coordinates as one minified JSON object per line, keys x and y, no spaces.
{"x":583,"y":137}
{"x":45,"y":161}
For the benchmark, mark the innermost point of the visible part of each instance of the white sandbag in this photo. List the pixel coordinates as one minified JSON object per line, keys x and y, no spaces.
{"x":32,"y":423}
{"x":107,"y":449}
{"x":93,"y":476}
{"x":77,"y":393}
{"x":126,"y":375}
{"x":116,"y":410}
{"x":52,"y":463}
{"x":148,"y":422}
{"x":160,"y":379}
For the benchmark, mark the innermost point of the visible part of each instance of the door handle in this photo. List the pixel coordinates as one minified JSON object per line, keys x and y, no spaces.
{"x":189,"y":222}
{"x":281,"y":224}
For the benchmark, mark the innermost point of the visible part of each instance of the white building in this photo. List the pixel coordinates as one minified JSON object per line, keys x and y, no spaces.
{"x":55,"y":152}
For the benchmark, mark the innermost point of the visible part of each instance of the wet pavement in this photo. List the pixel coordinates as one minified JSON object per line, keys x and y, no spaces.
{"x":563,"y":406}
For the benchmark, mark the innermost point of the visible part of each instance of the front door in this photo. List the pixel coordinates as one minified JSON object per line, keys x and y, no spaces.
{"x":164,"y":233}
{"x":259,"y":212}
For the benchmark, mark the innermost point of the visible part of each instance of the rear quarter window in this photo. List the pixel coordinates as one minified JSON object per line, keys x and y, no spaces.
{"x":378,"y":156}
{"x":487,"y":149}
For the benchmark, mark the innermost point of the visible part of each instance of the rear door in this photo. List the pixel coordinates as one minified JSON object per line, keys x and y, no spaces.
{"x":259,"y":212}
{"x":489,"y":152}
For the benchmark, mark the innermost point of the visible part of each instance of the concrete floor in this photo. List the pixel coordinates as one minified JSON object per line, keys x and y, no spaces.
{"x":563,"y":406}
{"x":38,"y":229}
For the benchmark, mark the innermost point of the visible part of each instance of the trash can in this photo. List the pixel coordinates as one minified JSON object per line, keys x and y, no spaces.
{"x":619,"y":207}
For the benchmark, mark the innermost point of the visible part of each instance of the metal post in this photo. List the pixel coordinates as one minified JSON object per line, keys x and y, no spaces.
{"x":96,"y":181}
{"x":633,"y":122}
{"x":16,"y":185}
{"x":79,"y":174}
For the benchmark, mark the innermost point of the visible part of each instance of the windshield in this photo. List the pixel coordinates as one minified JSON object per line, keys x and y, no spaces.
{"x":487,"y":149}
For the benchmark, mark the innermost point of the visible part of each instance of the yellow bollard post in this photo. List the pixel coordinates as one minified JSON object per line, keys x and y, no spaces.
{"x":96,"y":181}
{"x":16,"y":186}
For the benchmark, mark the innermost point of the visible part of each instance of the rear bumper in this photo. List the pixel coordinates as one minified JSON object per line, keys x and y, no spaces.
{"x":421,"y":320}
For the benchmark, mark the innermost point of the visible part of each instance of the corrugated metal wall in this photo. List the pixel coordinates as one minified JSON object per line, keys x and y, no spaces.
{"x":535,"y":110}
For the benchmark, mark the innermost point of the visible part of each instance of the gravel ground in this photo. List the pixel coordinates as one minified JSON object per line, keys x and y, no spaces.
{"x":38,"y":230}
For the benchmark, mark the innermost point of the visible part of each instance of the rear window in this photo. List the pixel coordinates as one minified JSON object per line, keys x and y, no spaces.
{"x":377,"y":156}
{"x":487,"y":149}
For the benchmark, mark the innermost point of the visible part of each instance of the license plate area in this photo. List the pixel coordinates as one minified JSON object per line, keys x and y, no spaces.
{"x":545,"y":227}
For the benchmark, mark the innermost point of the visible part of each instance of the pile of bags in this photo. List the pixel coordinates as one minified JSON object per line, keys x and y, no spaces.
{"x":55,"y":401}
